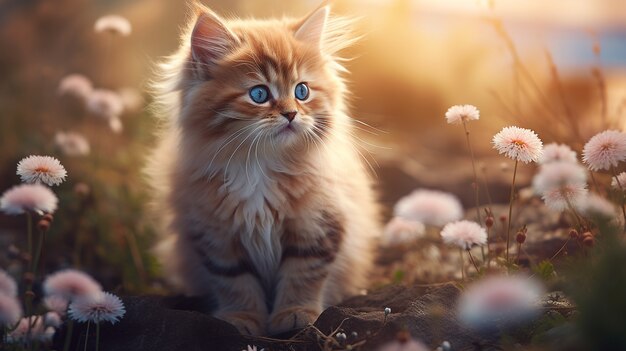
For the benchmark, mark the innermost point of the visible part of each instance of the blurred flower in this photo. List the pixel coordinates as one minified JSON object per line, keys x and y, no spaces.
{"x":41,"y":169}
{"x":561,"y":182}
{"x":72,"y":144}
{"x":619,"y":180}
{"x":70,"y":284}
{"x":76,"y":85}
{"x":519,"y":144}
{"x":28,"y":197}
{"x":131,"y":99}
{"x":400,"y":231}
{"x":499,"y":301}
{"x":82,"y":189}
{"x":105,"y":104}
{"x":605,"y":150}
{"x":430,"y":207}
{"x":597,"y":206}
{"x":554,"y":152}
{"x":8,"y":286}
{"x":464,"y":234}
{"x":462,"y":113}
{"x":52,"y":319}
{"x":56,"y":303}
{"x":252,"y":348}
{"x":10,"y":311}
{"x":404,"y":345}
{"x":113,"y":24}
{"x":31,"y":329}
{"x":116,"y":125}
{"x":97,"y":307}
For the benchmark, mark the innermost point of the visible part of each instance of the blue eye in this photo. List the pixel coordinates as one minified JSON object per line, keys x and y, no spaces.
{"x":259,"y":94}
{"x":302,"y":91}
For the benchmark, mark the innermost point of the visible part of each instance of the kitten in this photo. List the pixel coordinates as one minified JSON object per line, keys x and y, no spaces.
{"x":260,"y":180}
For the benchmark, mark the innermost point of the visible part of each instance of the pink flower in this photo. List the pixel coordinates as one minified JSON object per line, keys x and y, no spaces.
{"x":498,"y":301}
{"x":70,"y":284}
{"x":113,"y":24}
{"x":605,"y":150}
{"x":57,"y":304}
{"x":519,"y":144}
{"x":400,"y":231}
{"x":561,"y":197}
{"x":28,"y":197}
{"x":76,"y":85}
{"x":72,"y":144}
{"x":41,"y":169}
{"x":464,"y":234}
{"x":558,"y":152}
{"x":131,"y":99}
{"x":38,"y":331}
{"x":597,"y":206}
{"x":430,"y":207}
{"x":462,"y":113}
{"x":52,"y":319}
{"x":409,"y":345}
{"x":619,"y":182}
{"x":10,"y":311}
{"x":561,"y":182}
{"x":105,"y":104}
{"x":98,"y":307}
{"x":8,"y":286}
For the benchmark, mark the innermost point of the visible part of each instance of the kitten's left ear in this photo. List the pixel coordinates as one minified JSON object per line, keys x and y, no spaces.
{"x":311,"y":29}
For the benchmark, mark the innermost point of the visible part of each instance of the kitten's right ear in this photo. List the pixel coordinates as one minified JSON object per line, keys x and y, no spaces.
{"x":210,"y":39}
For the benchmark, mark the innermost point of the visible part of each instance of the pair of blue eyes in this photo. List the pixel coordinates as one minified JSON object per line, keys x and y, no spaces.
{"x":261,"y":93}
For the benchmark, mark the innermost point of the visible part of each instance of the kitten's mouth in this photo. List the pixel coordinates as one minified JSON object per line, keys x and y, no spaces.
{"x":288,"y":129}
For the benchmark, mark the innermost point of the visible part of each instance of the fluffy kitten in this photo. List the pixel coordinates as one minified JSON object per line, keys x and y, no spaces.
{"x":269,"y":205}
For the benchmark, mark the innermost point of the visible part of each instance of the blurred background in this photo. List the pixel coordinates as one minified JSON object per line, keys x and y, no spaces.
{"x":557,"y":67}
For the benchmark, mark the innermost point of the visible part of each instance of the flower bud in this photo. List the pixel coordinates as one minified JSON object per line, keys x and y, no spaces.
{"x":43,"y":225}
{"x":520,"y":237}
{"x":573,"y":234}
{"x":489,"y":221}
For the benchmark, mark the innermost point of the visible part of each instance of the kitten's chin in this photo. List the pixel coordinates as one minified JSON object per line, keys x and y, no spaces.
{"x":289,"y":135}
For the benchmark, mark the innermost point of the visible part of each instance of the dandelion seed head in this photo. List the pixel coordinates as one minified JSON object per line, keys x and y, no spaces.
{"x":605,"y":150}
{"x":619,"y":182}
{"x":113,"y":24}
{"x":560,"y":197}
{"x":430,"y":207}
{"x":41,"y":169}
{"x":8,"y":286}
{"x":554,"y":152}
{"x":499,"y":301}
{"x":96,"y":308}
{"x":76,"y":85}
{"x":70,"y":284}
{"x":518,"y":144}
{"x":559,"y":173}
{"x":105,"y":104}
{"x":464,"y":234}
{"x":28,"y":197}
{"x":462,"y":113}
{"x":72,"y":144}
{"x":10,"y":310}
{"x":401,"y":231}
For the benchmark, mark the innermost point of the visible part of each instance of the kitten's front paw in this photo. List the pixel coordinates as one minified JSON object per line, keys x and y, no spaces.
{"x":290,"y":318}
{"x":247,"y":323}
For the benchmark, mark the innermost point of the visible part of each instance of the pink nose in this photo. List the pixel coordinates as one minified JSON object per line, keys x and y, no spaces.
{"x":289,"y":115}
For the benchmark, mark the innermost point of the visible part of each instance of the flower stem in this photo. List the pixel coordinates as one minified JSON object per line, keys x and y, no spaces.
{"x":68,"y":335}
{"x":87,"y":335}
{"x":97,"y":336}
{"x":462,"y":265}
{"x":621,"y":188}
{"x":473,"y":261}
{"x":475,"y":184}
{"x":508,"y":230}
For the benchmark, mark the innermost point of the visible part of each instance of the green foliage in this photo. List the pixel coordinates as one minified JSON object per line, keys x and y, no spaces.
{"x":544,"y":270}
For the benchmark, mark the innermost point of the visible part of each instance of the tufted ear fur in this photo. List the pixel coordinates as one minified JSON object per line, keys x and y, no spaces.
{"x":312,"y":28}
{"x":210,"y":39}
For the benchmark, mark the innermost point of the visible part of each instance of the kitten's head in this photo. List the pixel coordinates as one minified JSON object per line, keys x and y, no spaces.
{"x":273,"y":85}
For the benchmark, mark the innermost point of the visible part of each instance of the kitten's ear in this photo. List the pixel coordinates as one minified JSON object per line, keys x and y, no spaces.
{"x":311,"y":29}
{"x":210,"y":38}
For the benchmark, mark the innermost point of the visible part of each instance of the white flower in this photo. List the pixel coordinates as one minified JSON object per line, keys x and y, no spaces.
{"x":605,"y":150}
{"x":597,"y":206}
{"x":28,"y":197}
{"x":561,"y":182}
{"x":8,"y":286}
{"x":464,"y":234}
{"x":70,"y":284}
{"x":131,"y":99}
{"x":430,"y":207}
{"x":72,"y":144}
{"x":30,"y":329}
{"x":116,"y":125}
{"x":76,"y":85}
{"x":114,"y":24}
{"x":554,"y":152}
{"x":10,"y":311}
{"x":619,"y":182}
{"x":56,"y":303}
{"x":462,"y":113}
{"x":105,"y":104}
{"x":400,"y":231}
{"x":560,"y":198}
{"x":519,"y":144}
{"x":499,"y":302}
{"x":41,"y":169}
{"x":97,"y":307}
{"x":52,"y":319}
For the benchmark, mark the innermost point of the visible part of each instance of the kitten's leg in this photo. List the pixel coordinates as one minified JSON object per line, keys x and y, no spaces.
{"x":305,"y":266}
{"x":236,"y":286}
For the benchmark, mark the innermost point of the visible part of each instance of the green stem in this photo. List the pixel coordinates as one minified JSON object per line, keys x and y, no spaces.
{"x":42,"y":238}
{"x":508,"y":230}
{"x":68,"y":335}
{"x":87,"y":335}
{"x":473,"y":261}
{"x":475,"y":185}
